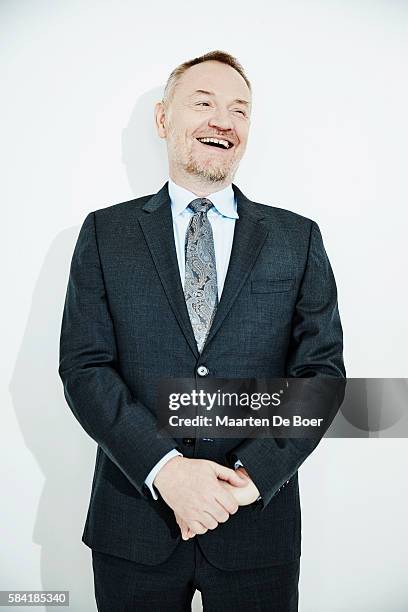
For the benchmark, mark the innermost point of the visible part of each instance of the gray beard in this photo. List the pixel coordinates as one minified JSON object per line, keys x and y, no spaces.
{"x":212,"y":175}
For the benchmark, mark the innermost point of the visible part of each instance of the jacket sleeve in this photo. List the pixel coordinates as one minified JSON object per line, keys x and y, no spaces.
{"x":122,"y":426}
{"x":315,"y":350}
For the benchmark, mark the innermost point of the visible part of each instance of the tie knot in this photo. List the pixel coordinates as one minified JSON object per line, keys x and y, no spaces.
{"x":201,"y":205}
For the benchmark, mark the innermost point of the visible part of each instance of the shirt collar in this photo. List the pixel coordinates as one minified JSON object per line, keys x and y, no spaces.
{"x":224,"y":200}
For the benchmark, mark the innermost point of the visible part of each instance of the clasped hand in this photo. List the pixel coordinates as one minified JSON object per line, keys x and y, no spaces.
{"x":203,"y":493}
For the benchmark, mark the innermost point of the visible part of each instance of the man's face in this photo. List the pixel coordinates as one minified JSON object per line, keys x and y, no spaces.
{"x":211,"y":100}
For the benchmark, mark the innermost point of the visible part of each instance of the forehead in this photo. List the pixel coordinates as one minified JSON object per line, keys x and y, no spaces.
{"x":215,"y":77}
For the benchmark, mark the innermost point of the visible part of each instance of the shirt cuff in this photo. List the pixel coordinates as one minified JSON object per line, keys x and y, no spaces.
{"x":155,"y":470}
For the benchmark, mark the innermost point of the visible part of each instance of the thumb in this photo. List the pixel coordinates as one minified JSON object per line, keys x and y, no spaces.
{"x":231,"y":476}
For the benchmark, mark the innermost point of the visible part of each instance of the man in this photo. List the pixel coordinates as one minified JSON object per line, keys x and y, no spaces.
{"x":191,"y":282}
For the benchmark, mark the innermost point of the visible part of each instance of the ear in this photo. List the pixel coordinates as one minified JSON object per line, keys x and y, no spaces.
{"x":160,"y":119}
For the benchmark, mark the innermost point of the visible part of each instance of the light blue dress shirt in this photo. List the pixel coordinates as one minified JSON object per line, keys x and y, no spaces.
{"x":222,"y":219}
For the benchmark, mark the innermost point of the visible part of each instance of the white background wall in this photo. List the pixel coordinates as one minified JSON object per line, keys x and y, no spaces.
{"x":329,"y":140}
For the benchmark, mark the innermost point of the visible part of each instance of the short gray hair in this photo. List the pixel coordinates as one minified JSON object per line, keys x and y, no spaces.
{"x":217,"y":56}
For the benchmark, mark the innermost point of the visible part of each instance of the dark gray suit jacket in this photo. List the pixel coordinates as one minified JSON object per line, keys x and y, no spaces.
{"x":126,"y":325}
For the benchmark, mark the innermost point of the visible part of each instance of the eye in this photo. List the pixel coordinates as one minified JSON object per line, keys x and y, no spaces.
{"x":205,"y":103}
{"x":238,"y":110}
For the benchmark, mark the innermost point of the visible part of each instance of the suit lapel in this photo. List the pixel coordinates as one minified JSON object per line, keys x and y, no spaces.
{"x":157,"y":226}
{"x":249,"y":236}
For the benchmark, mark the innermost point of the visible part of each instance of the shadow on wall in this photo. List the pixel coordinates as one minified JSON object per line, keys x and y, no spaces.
{"x":62,"y":449}
{"x":144,"y":153}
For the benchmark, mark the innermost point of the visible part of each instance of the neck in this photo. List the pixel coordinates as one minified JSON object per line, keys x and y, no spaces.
{"x":197,"y":185}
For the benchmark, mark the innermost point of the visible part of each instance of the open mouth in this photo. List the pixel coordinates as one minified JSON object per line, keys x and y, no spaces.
{"x":219,"y":143}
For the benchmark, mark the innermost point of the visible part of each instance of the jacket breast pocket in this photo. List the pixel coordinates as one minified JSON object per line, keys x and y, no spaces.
{"x":268,"y":285}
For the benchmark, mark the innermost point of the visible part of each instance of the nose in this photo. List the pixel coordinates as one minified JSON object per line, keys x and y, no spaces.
{"x":221,"y":119}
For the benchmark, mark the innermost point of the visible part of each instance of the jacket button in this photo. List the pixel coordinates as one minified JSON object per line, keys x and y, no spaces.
{"x":202,"y":370}
{"x":189,"y":441}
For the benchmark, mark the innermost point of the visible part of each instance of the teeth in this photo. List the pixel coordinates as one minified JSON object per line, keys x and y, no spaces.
{"x":224,"y":143}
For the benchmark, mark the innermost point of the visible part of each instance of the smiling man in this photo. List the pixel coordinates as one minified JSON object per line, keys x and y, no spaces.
{"x":194,"y":281}
{"x":206,"y":128}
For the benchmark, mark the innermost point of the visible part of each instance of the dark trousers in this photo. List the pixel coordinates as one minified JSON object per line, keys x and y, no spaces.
{"x":125,"y":586}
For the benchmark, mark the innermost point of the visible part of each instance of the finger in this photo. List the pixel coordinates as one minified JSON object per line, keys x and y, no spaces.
{"x":205,"y":518}
{"x":197,"y":528}
{"x":231,"y":476}
{"x":208,"y":517}
{"x":183,"y":526}
{"x":226,"y":499}
{"x":218,"y":512}
{"x":242,"y":472}
{"x":183,"y":529}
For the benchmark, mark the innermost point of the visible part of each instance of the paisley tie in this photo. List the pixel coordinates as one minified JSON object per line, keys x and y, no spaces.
{"x":200,"y":286}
